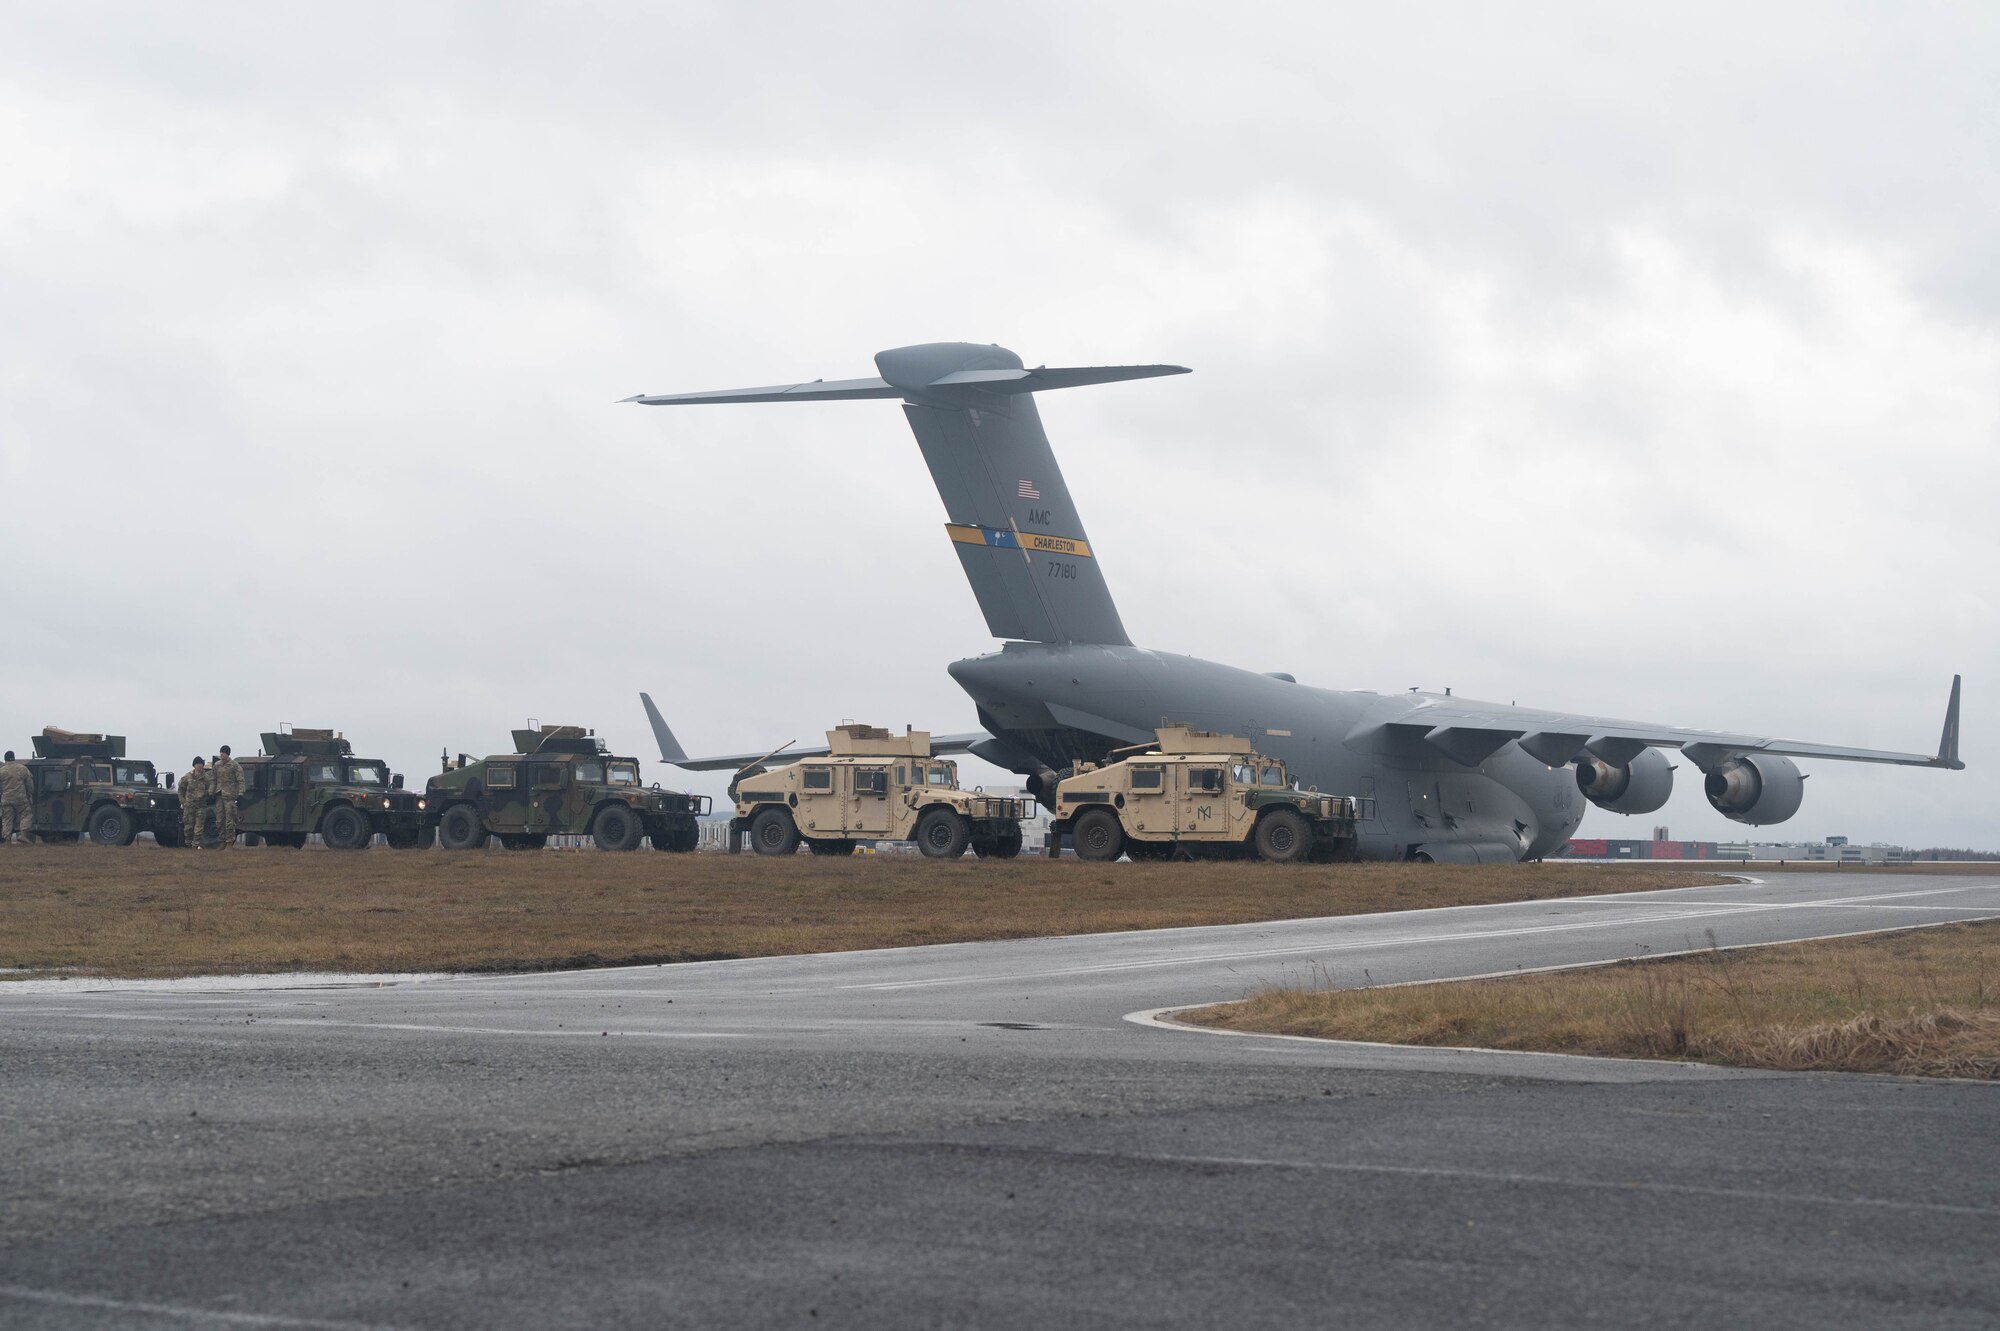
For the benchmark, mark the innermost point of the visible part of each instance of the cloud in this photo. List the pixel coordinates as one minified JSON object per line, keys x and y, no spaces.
{"x":1633,"y":362}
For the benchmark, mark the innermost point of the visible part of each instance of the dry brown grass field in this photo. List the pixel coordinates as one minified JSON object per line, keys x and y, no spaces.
{"x":1925,"y":1002}
{"x":143,"y":911}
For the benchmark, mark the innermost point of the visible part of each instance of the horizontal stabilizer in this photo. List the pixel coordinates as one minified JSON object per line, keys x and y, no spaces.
{"x":1042,"y":377}
{"x":1003,"y":382}
{"x":819,"y":390}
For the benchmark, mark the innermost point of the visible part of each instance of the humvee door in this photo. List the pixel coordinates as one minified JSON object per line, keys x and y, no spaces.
{"x":55,"y":810}
{"x":506,"y":797}
{"x":1198,"y":803}
{"x":281,"y":797}
{"x":254,"y":811}
{"x":1147,"y":804}
{"x":549,"y":787}
{"x":865,"y":807}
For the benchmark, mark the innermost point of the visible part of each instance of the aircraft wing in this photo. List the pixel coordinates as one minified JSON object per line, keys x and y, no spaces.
{"x":1472,"y":733}
{"x":671,"y":751}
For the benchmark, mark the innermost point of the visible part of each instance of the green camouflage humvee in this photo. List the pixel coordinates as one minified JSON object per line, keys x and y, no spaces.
{"x":308,"y":781}
{"x":559,"y":781}
{"x":86,"y":786}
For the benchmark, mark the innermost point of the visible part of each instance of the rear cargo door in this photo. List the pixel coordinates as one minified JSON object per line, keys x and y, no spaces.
{"x":1148,"y":801}
{"x":255,"y":813}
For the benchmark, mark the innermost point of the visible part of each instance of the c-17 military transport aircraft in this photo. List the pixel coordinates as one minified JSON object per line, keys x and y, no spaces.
{"x":1452,"y":779}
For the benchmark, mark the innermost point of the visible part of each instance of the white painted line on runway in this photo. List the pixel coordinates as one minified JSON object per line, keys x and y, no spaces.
{"x":185,"y":1312}
{"x":1547,"y":1181}
{"x":1355,"y":944}
{"x":1162,"y":1019}
{"x":1870,"y":898}
{"x":329,"y":1023}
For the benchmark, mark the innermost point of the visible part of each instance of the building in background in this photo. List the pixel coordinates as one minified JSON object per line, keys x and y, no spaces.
{"x":1833,"y":850}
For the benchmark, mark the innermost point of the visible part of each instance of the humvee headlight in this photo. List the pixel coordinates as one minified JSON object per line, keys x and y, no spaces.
{"x":420,"y":805}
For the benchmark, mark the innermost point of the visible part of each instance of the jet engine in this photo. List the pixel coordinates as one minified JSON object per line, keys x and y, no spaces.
{"x":1756,"y":788}
{"x":1639,"y":786}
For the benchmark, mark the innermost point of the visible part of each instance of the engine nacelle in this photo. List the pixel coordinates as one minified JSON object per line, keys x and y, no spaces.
{"x":1756,"y":788}
{"x":1639,"y":786}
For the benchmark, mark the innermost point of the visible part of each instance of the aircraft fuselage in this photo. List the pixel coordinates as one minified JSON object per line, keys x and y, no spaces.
{"x":1060,"y":702}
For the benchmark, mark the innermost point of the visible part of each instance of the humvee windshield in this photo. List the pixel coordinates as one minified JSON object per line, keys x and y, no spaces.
{"x":1250,"y":775}
{"x":94,"y":774}
{"x":624,"y":774}
{"x":134,"y":774}
{"x":323,"y":773}
{"x":367,"y":774}
{"x":939,"y":775}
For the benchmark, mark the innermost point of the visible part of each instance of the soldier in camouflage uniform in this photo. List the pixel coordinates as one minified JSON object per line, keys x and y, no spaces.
{"x":226,"y":778}
{"x":195,"y":790}
{"x":16,"y":793}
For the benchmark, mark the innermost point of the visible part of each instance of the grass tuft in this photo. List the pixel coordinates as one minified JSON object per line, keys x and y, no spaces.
{"x":1922,"y":1002}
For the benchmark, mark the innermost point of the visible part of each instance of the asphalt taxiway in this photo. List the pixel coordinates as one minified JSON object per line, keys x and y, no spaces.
{"x":980,"y":1134}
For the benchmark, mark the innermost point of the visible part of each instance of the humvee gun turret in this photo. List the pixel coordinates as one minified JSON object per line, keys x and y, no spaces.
{"x":873,"y":786}
{"x":84,"y":785}
{"x":1202,"y":796}
{"x":560,"y":780}
{"x":309,"y":781}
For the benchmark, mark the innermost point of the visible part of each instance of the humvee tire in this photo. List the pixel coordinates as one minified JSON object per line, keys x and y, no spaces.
{"x":617,"y":827}
{"x":829,"y":847}
{"x":1097,"y":835}
{"x":345,"y":828}
{"x":112,"y":826}
{"x":460,"y":829}
{"x":1003,"y":847}
{"x":170,"y":837}
{"x":772,"y":832}
{"x":679,"y":843}
{"x":943,"y":834}
{"x":1283,"y":836}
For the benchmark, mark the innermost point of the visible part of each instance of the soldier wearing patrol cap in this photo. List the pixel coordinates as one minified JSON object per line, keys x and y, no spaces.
{"x":226,"y":779}
{"x":194,"y":790}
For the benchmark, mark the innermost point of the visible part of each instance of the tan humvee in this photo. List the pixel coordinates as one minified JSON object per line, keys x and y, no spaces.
{"x":1200,"y":795}
{"x":874,"y":786}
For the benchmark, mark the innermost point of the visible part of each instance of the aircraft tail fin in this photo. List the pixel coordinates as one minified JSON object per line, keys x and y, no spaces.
{"x":1009,"y":512}
{"x":1947,"y":754}
{"x":670,"y":748}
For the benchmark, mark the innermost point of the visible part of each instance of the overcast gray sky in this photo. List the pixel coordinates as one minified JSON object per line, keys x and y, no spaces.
{"x":1636,"y":360}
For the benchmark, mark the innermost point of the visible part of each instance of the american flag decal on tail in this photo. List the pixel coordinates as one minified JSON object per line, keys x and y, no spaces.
{"x":1028,"y":490}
